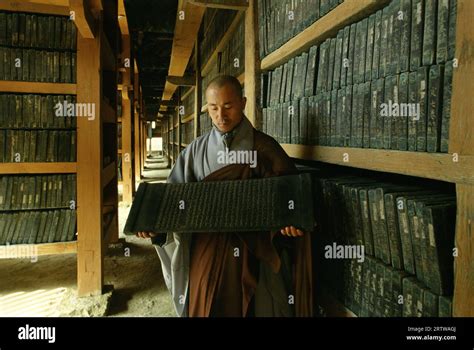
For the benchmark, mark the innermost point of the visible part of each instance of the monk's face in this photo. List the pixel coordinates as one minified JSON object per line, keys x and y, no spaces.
{"x":225,"y":107}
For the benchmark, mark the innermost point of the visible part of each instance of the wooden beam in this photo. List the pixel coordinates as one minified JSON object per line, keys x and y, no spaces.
{"x":90,"y":261}
{"x":40,"y":249}
{"x":437,"y":166}
{"x":347,"y":12}
{"x":122,"y":18}
{"x":127,"y":168}
{"x":197,"y":89}
{"x":37,"y":88}
{"x":187,"y":80}
{"x":188,"y":21}
{"x":83,"y":18}
{"x":24,"y":6}
{"x":206,"y":66}
{"x":461,"y":142}
{"x":220,"y":4}
{"x":38,"y":168}
{"x":136,"y":128}
{"x":463,"y":300}
{"x":252,"y":64}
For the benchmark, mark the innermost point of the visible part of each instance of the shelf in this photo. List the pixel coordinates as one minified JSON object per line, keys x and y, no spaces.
{"x":38,"y":168}
{"x":220,"y":47}
{"x":184,"y":144}
{"x":108,"y":174}
{"x":37,"y":88}
{"x":107,"y":112}
{"x":347,"y":12}
{"x":437,"y":166}
{"x":41,"y":249}
{"x":175,"y":143}
{"x":47,"y":7}
{"x":188,"y":119}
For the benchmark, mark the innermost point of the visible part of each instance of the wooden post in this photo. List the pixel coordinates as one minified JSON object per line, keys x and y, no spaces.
{"x":136,"y":128}
{"x":252,"y":64}
{"x":197,"y":88}
{"x":127,"y":172}
{"x":89,"y":171}
{"x":461,"y":143}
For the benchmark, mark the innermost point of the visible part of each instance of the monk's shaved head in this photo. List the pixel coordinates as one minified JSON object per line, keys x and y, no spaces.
{"x":226,"y":80}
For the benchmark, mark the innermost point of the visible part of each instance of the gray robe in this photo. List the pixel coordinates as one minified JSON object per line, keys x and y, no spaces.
{"x":195,"y":162}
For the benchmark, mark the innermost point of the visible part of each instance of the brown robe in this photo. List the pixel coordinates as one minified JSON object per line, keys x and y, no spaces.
{"x":223,"y":279}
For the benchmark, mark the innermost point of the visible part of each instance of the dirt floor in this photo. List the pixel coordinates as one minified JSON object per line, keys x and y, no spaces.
{"x":48,"y":287}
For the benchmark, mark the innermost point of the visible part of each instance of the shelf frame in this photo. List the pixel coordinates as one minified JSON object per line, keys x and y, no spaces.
{"x":348,"y":12}
{"x":436,"y":166}
{"x":30,"y":87}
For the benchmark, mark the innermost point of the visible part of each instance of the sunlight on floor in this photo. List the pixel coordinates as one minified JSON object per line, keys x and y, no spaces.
{"x":39,"y":303}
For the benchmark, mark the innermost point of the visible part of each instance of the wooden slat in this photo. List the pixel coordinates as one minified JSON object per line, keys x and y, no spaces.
{"x":436,"y":166}
{"x":49,"y":2}
{"x":184,"y":144}
{"x":220,"y":47}
{"x":252,"y":64}
{"x":187,"y":93}
{"x":463,"y":301}
{"x":347,"y":12}
{"x":37,"y":88}
{"x":122,"y":20}
{"x":109,"y":173}
{"x":83,"y":18}
{"x":197,"y":89}
{"x":188,"y":118}
{"x":24,"y":6}
{"x":229,"y":4}
{"x":127,"y":169}
{"x":39,"y":249}
{"x":108,"y":114}
{"x":461,"y":142}
{"x":185,"y":33}
{"x":38,"y":168}
{"x":110,"y":230}
{"x":108,"y":56}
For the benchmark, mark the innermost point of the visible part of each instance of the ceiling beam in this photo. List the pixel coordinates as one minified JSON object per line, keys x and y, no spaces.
{"x":188,"y":21}
{"x":83,"y":19}
{"x":220,"y":4}
{"x":187,"y":80}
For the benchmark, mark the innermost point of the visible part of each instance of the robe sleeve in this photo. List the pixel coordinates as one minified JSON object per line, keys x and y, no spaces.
{"x":183,"y":168}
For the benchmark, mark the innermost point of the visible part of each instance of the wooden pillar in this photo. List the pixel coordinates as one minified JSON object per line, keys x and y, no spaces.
{"x":127,"y":172}
{"x":252,"y":64}
{"x":197,"y":88}
{"x":461,"y":142}
{"x":89,"y":171}
{"x":136,"y":128}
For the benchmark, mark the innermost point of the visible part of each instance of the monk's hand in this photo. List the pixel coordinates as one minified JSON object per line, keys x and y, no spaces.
{"x":145,"y":234}
{"x":291,"y":231}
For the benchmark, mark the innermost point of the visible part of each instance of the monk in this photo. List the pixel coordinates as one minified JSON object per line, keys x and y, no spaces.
{"x":237,"y":274}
